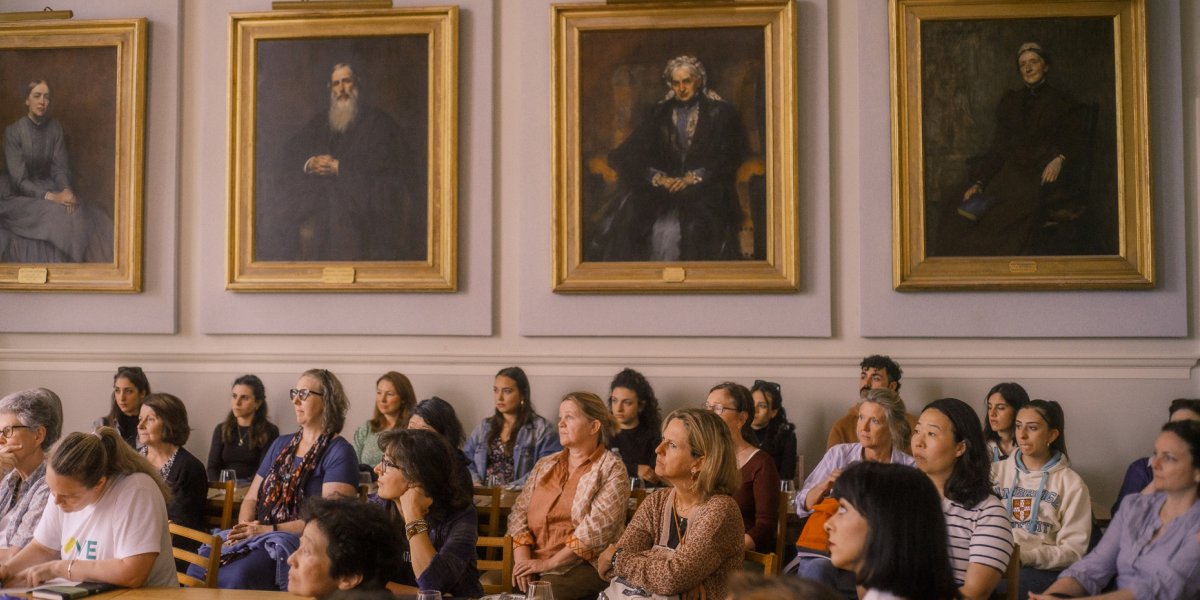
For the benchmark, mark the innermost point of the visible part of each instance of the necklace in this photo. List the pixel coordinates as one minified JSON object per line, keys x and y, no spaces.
{"x":242,"y":439}
{"x":679,"y":532}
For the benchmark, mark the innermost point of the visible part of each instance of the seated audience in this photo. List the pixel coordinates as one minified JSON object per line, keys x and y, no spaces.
{"x":882,"y":432}
{"x":572,"y":506}
{"x":240,"y":441}
{"x":108,"y":522}
{"x":313,"y":462}
{"x":999,"y":429}
{"x":130,"y":385}
{"x":747,"y":585}
{"x":876,"y":372}
{"x":890,"y":532}
{"x":633,"y":404}
{"x":948,"y":446}
{"x":162,"y":433}
{"x":1047,"y":503}
{"x":758,"y":495}
{"x":684,"y":539}
{"x":345,"y":545}
{"x":437,"y":415}
{"x":420,"y":478}
{"x":30,"y":422}
{"x":1138,"y":476}
{"x":1151,"y":550}
{"x":504,"y":446}
{"x":394,"y":401}
{"x":771,"y":430}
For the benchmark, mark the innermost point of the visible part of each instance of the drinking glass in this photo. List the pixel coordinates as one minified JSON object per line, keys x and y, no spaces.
{"x":635,"y":483}
{"x":228,"y":475}
{"x":429,"y":595}
{"x":494,"y":481}
{"x":788,"y":487}
{"x":539,"y":590}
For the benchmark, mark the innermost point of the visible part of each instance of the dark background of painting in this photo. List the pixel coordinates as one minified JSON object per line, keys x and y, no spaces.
{"x":293,"y":87}
{"x":620,"y":78}
{"x":83,"y":98}
{"x":967,"y":65}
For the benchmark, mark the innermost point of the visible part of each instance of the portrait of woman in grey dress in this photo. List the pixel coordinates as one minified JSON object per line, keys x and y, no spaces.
{"x":42,"y":219}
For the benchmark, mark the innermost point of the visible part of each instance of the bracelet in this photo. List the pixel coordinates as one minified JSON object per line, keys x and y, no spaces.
{"x":416,"y":528}
{"x":70,"y":565}
{"x":612,"y":562}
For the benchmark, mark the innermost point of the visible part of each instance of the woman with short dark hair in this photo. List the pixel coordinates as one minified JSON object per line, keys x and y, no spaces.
{"x":30,"y":423}
{"x":345,"y":545}
{"x":162,"y":432}
{"x":241,"y":440}
{"x":420,"y":479}
{"x":889,"y":530}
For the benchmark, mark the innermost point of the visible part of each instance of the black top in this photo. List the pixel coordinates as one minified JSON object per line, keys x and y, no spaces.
{"x":189,"y":488}
{"x":126,"y":425}
{"x":239,"y":457}
{"x":637,"y":446}
{"x":778,"y":440}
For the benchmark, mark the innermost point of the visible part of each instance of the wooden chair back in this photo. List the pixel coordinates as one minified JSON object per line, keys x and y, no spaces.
{"x":487,"y":504}
{"x":768,"y":562}
{"x":224,"y":519}
{"x":502,"y":567}
{"x":1012,"y":575}
{"x":210,"y":563}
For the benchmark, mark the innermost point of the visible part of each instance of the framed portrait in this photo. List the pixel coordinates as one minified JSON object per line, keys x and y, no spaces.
{"x":1020,"y":145}
{"x":343,"y":150}
{"x":71,"y":187}
{"x":674,"y":135}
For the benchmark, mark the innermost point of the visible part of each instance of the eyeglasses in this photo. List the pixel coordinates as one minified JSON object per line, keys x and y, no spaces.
{"x":387,"y":464}
{"x":7,"y":431}
{"x":719,"y":409}
{"x":303,"y":394}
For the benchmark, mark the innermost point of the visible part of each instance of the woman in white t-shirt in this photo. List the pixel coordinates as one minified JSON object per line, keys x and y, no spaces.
{"x":108,"y":521}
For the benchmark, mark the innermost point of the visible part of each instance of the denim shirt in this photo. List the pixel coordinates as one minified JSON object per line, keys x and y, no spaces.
{"x":534,"y":440}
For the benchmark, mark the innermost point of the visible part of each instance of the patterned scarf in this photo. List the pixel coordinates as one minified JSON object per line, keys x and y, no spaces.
{"x":283,"y":488}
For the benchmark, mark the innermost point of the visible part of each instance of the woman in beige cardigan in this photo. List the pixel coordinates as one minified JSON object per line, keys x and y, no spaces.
{"x":573,"y":504}
{"x":686,"y":539}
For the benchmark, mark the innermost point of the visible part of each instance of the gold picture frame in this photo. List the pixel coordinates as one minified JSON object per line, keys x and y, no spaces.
{"x":1047,"y":189}
{"x":625,"y":222}
{"x":72,"y":185}
{"x":374,"y":207}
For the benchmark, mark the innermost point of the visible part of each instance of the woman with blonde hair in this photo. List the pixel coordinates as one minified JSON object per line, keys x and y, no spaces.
{"x":573,"y":504}
{"x":394,"y":402}
{"x":108,"y":521}
{"x":685,"y":539}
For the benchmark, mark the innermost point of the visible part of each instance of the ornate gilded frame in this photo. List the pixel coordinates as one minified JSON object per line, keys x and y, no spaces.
{"x":438,"y":272}
{"x":775,"y":263}
{"x":73,"y":44}
{"x":1130,"y":263}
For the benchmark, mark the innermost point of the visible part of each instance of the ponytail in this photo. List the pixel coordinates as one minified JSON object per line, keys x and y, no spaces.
{"x":86,"y":457}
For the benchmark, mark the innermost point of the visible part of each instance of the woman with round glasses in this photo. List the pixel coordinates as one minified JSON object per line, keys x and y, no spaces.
{"x":314,"y":461}
{"x":420,"y":477}
{"x":30,"y":423}
{"x":758,"y":494}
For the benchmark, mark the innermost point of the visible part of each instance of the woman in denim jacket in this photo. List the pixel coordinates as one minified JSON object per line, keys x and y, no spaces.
{"x":504,"y":447}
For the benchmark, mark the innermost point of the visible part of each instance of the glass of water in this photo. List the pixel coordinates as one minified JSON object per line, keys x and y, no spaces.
{"x":228,"y":475}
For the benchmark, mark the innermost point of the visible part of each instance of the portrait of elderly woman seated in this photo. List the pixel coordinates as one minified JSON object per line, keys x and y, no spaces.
{"x":572,"y":505}
{"x":30,"y":423}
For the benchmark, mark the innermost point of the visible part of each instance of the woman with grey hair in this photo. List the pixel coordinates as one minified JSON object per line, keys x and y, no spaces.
{"x":30,"y":422}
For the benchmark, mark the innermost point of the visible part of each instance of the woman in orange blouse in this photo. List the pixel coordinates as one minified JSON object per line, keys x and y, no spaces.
{"x":573,"y":504}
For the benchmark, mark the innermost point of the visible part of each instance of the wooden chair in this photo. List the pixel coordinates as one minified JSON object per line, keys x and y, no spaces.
{"x":224,"y":520}
{"x":768,"y":562}
{"x":487,"y":504}
{"x":1012,"y":575}
{"x":502,"y":567}
{"x":637,"y":496}
{"x":210,"y":562}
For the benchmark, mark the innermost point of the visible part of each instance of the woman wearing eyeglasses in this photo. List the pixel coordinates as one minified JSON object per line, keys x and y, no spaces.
{"x":758,"y":494}
{"x":30,"y":423}
{"x":420,"y":476}
{"x":314,"y":461}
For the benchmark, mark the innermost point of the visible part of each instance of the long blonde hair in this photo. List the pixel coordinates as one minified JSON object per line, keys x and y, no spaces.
{"x":709,"y":437}
{"x":86,"y":457}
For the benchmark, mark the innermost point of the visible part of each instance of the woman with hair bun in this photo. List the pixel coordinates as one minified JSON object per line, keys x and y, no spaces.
{"x":108,"y":521}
